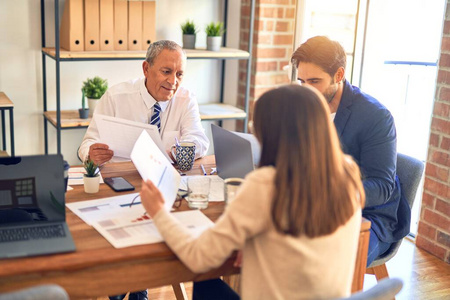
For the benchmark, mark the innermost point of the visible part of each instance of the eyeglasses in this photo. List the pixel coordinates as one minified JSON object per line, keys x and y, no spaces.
{"x":181,"y":194}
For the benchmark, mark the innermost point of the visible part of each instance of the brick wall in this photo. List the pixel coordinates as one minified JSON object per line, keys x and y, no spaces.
{"x":434,"y":225}
{"x":272,"y":46}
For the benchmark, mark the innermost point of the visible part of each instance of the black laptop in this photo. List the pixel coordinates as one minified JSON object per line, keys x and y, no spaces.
{"x":32,"y":206}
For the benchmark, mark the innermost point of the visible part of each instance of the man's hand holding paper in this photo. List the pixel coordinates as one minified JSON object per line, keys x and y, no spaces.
{"x":100,"y":153}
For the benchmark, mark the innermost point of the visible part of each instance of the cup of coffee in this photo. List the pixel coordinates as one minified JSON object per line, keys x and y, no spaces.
{"x":231,"y":187}
{"x":184,"y":154}
{"x":198,"y":191}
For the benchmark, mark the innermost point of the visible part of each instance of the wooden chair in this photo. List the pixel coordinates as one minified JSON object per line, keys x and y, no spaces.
{"x":39,"y":292}
{"x":409,"y":171}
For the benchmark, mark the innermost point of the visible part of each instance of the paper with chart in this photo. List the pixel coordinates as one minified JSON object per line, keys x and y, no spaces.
{"x":216,"y":190}
{"x":151,"y":164}
{"x":106,"y":208}
{"x":120,"y":134}
{"x":125,"y":226}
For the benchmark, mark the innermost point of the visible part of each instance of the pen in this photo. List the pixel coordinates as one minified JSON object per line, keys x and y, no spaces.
{"x":213,"y":170}
{"x":203,"y":169}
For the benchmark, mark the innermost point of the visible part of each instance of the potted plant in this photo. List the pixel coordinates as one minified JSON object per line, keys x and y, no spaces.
{"x":93,"y":89}
{"x":83,"y":111}
{"x":91,"y":178}
{"x":214,"y":33}
{"x":189,"y":34}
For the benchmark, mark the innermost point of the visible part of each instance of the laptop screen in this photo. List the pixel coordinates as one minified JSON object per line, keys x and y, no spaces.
{"x":32,"y":189}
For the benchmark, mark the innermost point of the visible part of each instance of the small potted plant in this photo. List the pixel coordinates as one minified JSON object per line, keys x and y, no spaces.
{"x":93,"y":89}
{"x":189,"y":34}
{"x":91,"y":178}
{"x":83,"y":111}
{"x":214,"y":33}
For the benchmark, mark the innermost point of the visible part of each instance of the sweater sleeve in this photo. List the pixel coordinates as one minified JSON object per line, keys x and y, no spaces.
{"x":247,"y":216}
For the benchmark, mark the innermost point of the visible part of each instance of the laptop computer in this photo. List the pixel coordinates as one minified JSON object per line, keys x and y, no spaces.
{"x":236,"y":153}
{"x":32,"y":206}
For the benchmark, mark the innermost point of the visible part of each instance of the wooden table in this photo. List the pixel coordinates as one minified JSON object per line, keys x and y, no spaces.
{"x":7,"y":104}
{"x":98,"y":269}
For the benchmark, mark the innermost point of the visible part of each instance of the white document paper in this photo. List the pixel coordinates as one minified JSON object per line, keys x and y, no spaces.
{"x":140,"y":230}
{"x":152,"y":165}
{"x":76,"y":176}
{"x":120,"y":134}
{"x":125,"y":226}
{"x":91,"y":211}
{"x":216,"y":191}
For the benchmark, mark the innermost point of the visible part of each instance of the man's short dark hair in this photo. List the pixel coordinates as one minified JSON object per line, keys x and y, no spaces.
{"x":157,"y":47}
{"x":323,"y":52}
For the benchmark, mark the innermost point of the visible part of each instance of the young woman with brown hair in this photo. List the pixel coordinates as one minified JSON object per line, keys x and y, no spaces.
{"x":296,"y":218}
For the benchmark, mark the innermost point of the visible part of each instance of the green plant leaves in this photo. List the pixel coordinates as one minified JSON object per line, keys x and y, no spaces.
{"x":91,"y":168}
{"x":94,"y":88}
{"x":189,"y":27}
{"x":214,"y":29}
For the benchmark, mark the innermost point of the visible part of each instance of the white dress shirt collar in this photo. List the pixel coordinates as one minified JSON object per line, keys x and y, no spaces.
{"x":149,"y":100}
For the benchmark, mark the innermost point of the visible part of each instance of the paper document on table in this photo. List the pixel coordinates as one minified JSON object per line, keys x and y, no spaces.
{"x":141,"y":230}
{"x":76,"y":176}
{"x":94,"y":210}
{"x":125,"y":226}
{"x":151,"y":164}
{"x":216,"y":193}
{"x":120,"y":134}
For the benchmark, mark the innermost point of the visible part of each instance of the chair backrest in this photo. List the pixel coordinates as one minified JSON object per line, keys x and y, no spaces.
{"x":385,"y":289}
{"x":409,"y":171}
{"x":39,"y":292}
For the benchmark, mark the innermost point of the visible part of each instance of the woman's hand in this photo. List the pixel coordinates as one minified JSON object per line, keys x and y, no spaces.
{"x":151,"y":198}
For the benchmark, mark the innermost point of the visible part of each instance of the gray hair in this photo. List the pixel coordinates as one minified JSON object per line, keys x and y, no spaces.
{"x":157,"y":47}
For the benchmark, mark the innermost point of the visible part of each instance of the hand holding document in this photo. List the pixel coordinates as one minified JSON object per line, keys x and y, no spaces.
{"x":152,"y":165}
{"x":120,"y":135}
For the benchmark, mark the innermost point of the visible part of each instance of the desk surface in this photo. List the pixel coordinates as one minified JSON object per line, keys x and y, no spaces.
{"x":5,"y":102}
{"x":97,"y":268}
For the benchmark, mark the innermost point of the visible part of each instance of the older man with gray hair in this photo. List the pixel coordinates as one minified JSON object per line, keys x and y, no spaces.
{"x":156,"y":99}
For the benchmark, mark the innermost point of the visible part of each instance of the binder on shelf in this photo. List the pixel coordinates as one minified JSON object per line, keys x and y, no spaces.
{"x":106,"y":25}
{"x":72,"y":27}
{"x":91,"y":25}
{"x":134,"y":25}
{"x":148,"y":23}
{"x":121,"y":25}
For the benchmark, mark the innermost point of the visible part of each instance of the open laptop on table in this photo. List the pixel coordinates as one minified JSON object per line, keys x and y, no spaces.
{"x":236,"y":153}
{"x":32,"y":206}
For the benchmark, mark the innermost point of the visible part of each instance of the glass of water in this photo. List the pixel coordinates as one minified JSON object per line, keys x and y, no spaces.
{"x":198,"y":188}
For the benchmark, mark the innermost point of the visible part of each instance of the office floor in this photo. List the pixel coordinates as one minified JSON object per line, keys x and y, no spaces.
{"x":424,"y":276}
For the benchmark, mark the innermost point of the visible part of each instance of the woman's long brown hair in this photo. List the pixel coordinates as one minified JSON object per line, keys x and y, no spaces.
{"x":318,"y":187}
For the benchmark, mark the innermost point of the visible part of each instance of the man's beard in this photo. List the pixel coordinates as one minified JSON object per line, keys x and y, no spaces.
{"x":330,"y":93}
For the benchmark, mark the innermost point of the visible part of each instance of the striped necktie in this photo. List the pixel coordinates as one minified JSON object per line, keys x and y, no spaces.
{"x":155,"y":120}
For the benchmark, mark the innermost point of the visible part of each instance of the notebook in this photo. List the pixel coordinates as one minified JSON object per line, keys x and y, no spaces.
{"x":32,"y":206}
{"x":236,"y":154}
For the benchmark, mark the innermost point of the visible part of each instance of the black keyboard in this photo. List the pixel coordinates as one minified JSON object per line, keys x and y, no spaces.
{"x":31,"y":233}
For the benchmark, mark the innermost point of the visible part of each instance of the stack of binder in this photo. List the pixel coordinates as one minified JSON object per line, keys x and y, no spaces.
{"x":108,"y":25}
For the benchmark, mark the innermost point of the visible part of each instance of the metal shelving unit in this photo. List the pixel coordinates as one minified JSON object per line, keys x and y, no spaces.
{"x":67,"y":119}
